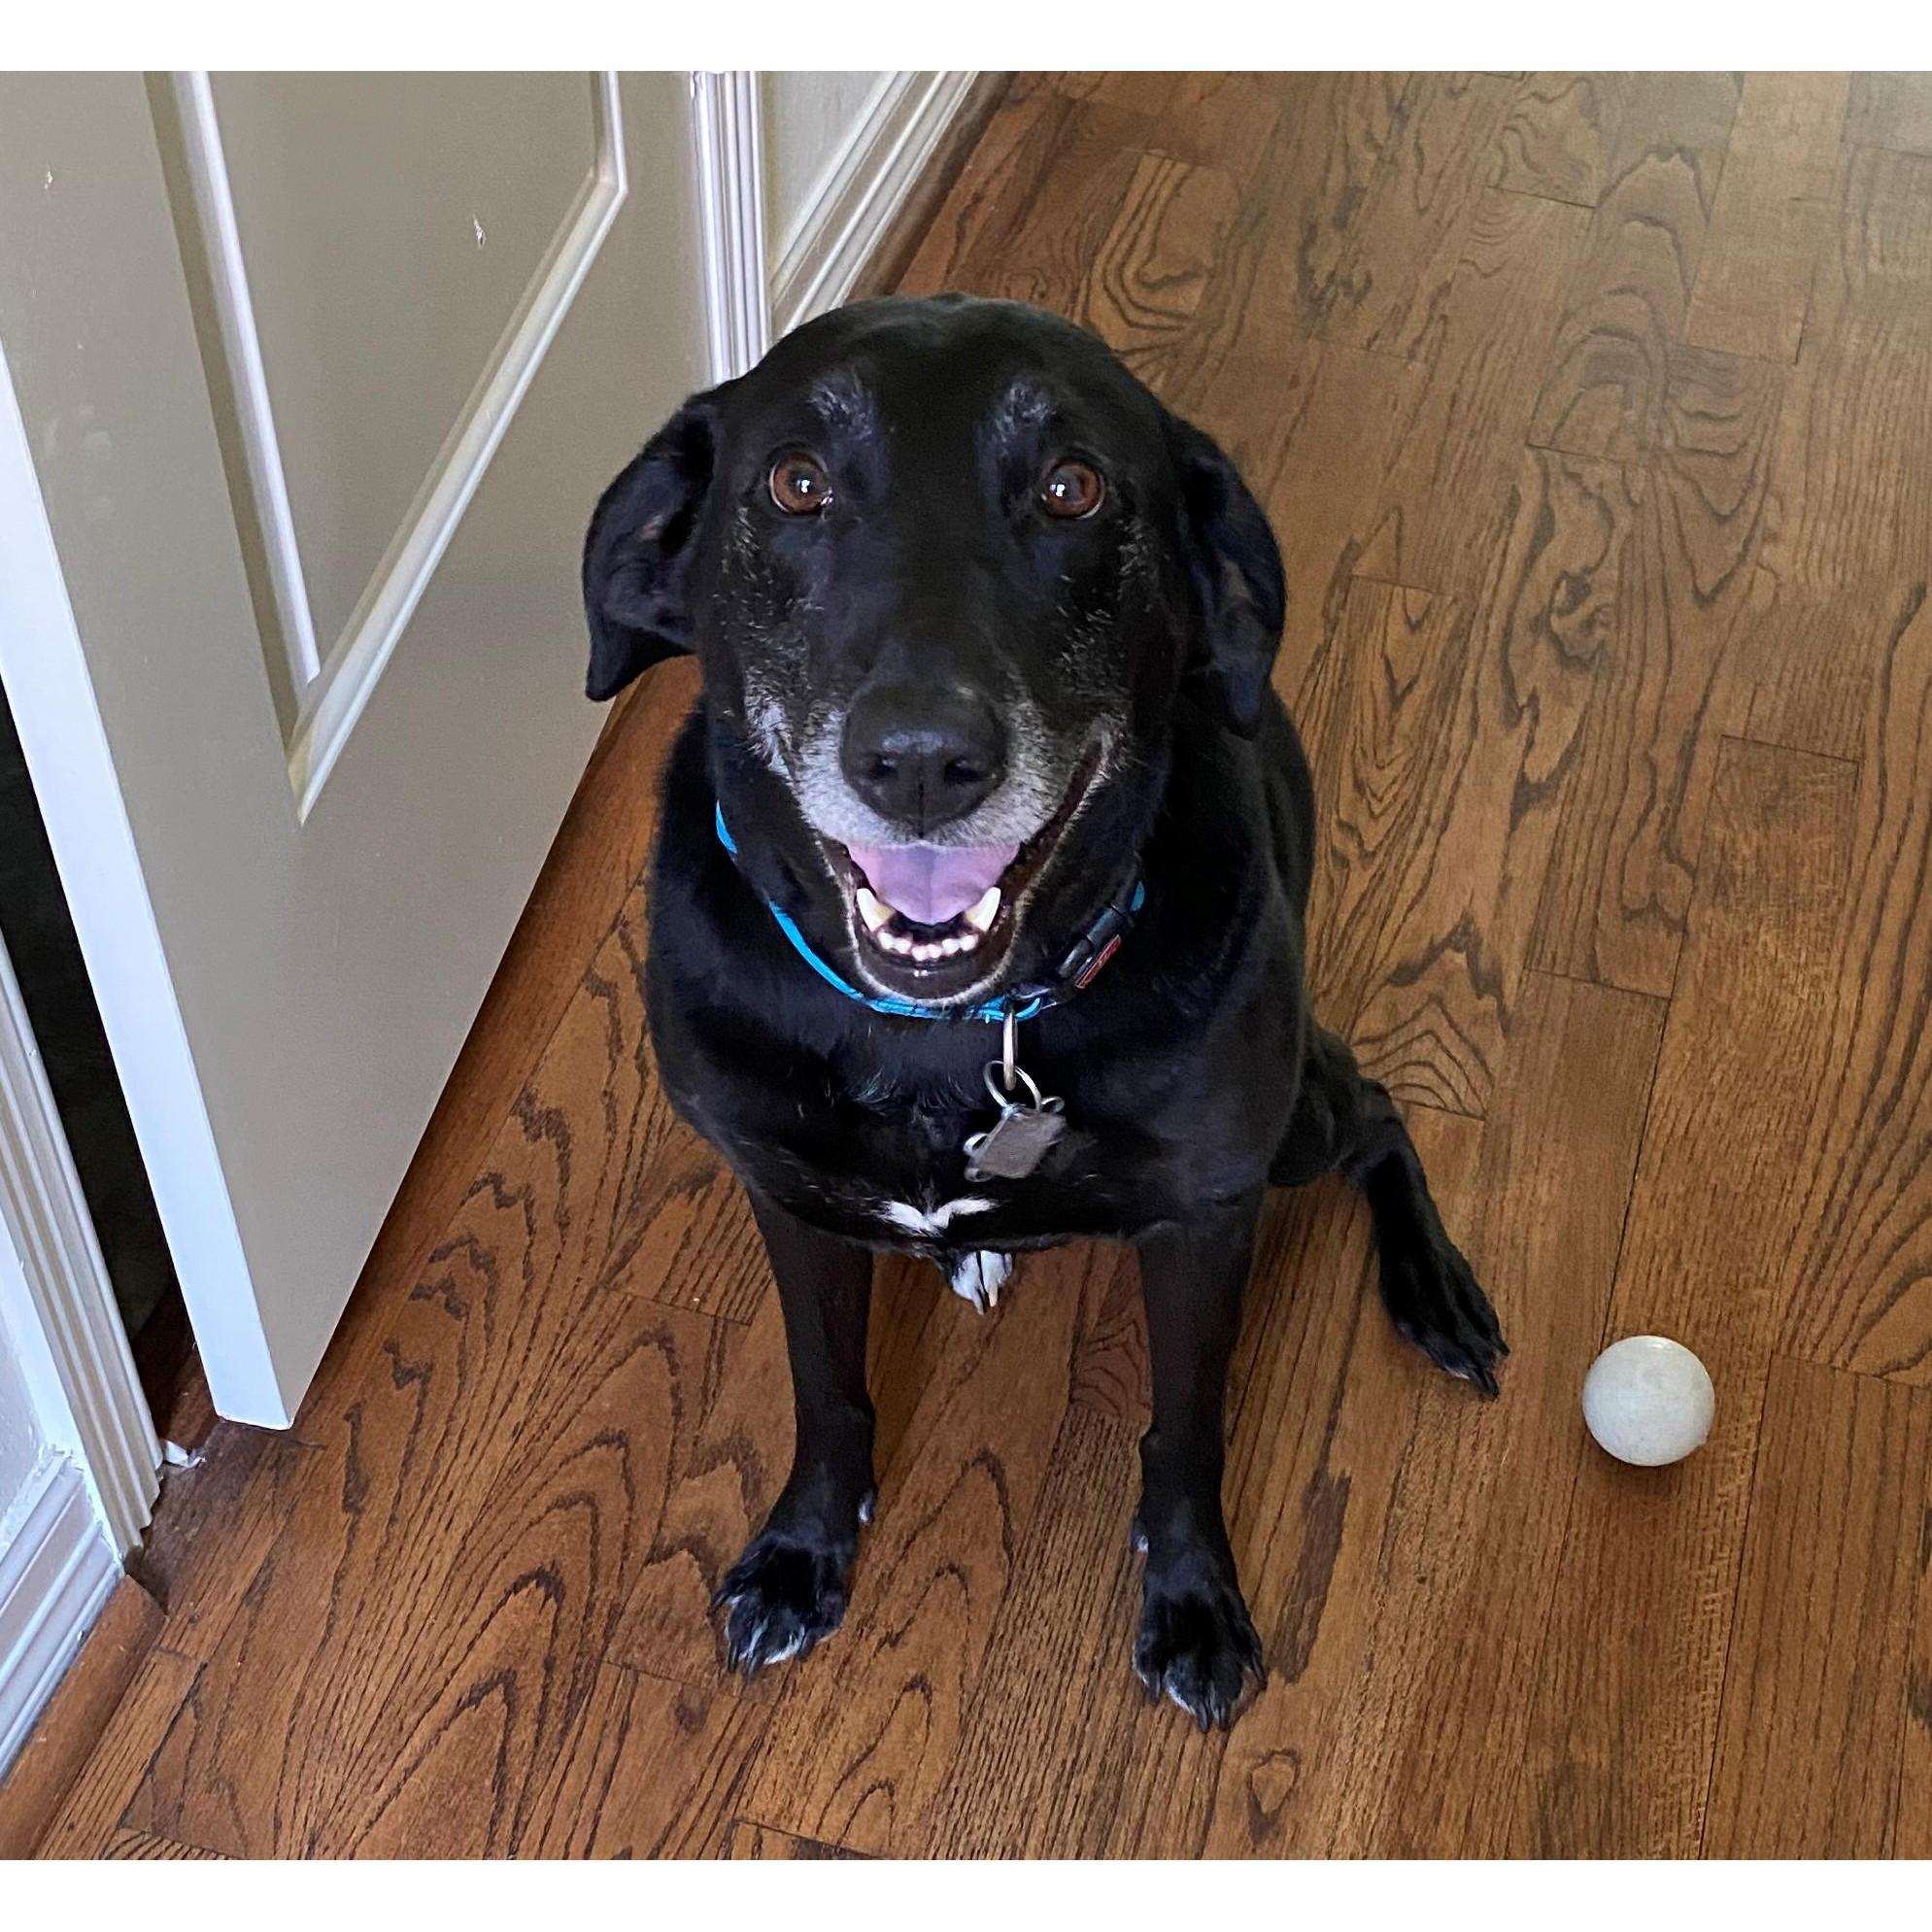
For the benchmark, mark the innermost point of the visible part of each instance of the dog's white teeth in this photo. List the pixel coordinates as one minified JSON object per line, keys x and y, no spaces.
{"x":886,"y":928}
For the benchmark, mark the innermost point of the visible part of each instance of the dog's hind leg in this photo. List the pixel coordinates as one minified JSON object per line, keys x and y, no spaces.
{"x":1344,"y":1121}
{"x":788,"y":1589}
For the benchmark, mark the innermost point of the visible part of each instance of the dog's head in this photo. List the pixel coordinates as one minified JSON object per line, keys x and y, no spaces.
{"x":948,"y":565}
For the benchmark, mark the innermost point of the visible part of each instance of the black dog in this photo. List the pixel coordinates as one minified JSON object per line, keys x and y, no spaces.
{"x":986,"y":635}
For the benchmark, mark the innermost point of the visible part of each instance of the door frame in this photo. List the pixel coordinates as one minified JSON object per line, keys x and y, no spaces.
{"x":56,"y":1301}
{"x":85,"y":1505}
{"x":729,"y":123}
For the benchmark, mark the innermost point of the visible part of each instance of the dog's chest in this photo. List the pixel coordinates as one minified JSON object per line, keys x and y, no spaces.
{"x":901,"y":1177}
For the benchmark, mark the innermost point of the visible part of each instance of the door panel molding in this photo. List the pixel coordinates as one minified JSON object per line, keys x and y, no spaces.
{"x":323,"y":685}
{"x":879,"y":167}
{"x":236,"y":373}
{"x":337,"y":697}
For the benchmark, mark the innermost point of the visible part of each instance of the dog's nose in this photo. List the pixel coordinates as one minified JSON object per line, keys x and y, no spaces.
{"x":922,"y":756}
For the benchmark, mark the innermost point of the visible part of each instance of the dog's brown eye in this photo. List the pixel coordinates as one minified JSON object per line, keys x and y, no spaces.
{"x":800,"y":485}
{"x":1071,"y":490}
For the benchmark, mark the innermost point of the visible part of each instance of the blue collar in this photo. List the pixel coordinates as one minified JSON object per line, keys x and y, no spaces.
{"x":1083,"y":962}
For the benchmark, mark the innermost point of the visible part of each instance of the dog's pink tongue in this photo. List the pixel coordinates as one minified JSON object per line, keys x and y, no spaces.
{"x":930,"y":884}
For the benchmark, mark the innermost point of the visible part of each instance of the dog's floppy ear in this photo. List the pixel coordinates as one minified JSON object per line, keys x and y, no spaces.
{"x":637,"y":553}
{"x":1239,"y":584}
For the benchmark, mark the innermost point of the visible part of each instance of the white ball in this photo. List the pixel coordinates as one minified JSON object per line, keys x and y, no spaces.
{"x":1649,"y":1400}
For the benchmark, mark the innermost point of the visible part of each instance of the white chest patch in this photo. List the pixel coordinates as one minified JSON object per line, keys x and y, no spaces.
{"x":932,"y":1220}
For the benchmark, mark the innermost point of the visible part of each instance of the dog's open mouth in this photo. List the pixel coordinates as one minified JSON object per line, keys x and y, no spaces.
{"x":932,"y":915}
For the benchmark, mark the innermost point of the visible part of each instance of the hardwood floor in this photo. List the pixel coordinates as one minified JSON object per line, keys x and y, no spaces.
{"x":1595,"y":416}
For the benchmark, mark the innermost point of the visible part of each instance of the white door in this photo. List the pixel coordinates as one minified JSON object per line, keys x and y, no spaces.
{"x":310,"y":382}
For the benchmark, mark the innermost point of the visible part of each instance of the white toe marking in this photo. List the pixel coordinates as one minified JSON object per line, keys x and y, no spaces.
{"x":978,"y":1277}
{"x":933,"y":1221}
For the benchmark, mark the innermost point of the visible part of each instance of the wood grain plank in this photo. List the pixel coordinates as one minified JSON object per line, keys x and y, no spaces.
{"x":1399,"y":273}
{"x":1317,"y":456}
{"x":1438,"y":976}
{"x":1470,"y":1555}
{"x":1672,"y":683}
{"x":1231,"y":121}
{"x":1611,"y":367}
{"x":863,"y":1734}
{"x":1912,"y":1829}
{"x":1854,"y":495}
{"x":1110,"y":1347}
{"x":219,"y":1519}
{"x":1153,"y":265}
{"x":650,"y":1772}
{"x":733,"y":1456}
{"x":1036,"y":1773}
{"x":746,"y":1840}
{"x":1145,"y":92}
{"x":450,"y":1487}
{"x":1560,"y":135}
{"x":1860,"y":1268}
{"x":1213,"y":118}
{"x":1376,"y":711}
{"x":459,"y":1758}
{"x":1032,"y":204}
{"x":1460,"y":445}
{"x":689,"y":1240}
{"x":1816,"y":662}
{"x":1624,"y":1702}
{"x":1770,"y":221}
{"x":1300,"y":208}
{"x":1890,"y":110}
{"x":101,"y":1798}
{"x":1693,"y":112}
{"x":138,"y":1844}
{"x":1812,"y":1726}
{"x":56,"y":1752}
{"x":323,"y":1728}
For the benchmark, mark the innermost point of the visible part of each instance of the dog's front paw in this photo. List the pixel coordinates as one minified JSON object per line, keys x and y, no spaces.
{"x":1197,"y":1647}
{"x":782,"y":1595}
{"x":1434,"y":1301}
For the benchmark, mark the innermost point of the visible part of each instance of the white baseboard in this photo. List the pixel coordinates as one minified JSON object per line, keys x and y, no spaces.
{"x":56,"y":1574}
{"x":863,"y":191}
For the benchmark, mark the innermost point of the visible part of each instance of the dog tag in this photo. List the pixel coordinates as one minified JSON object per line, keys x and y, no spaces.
{"x":1017,"y":1142}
